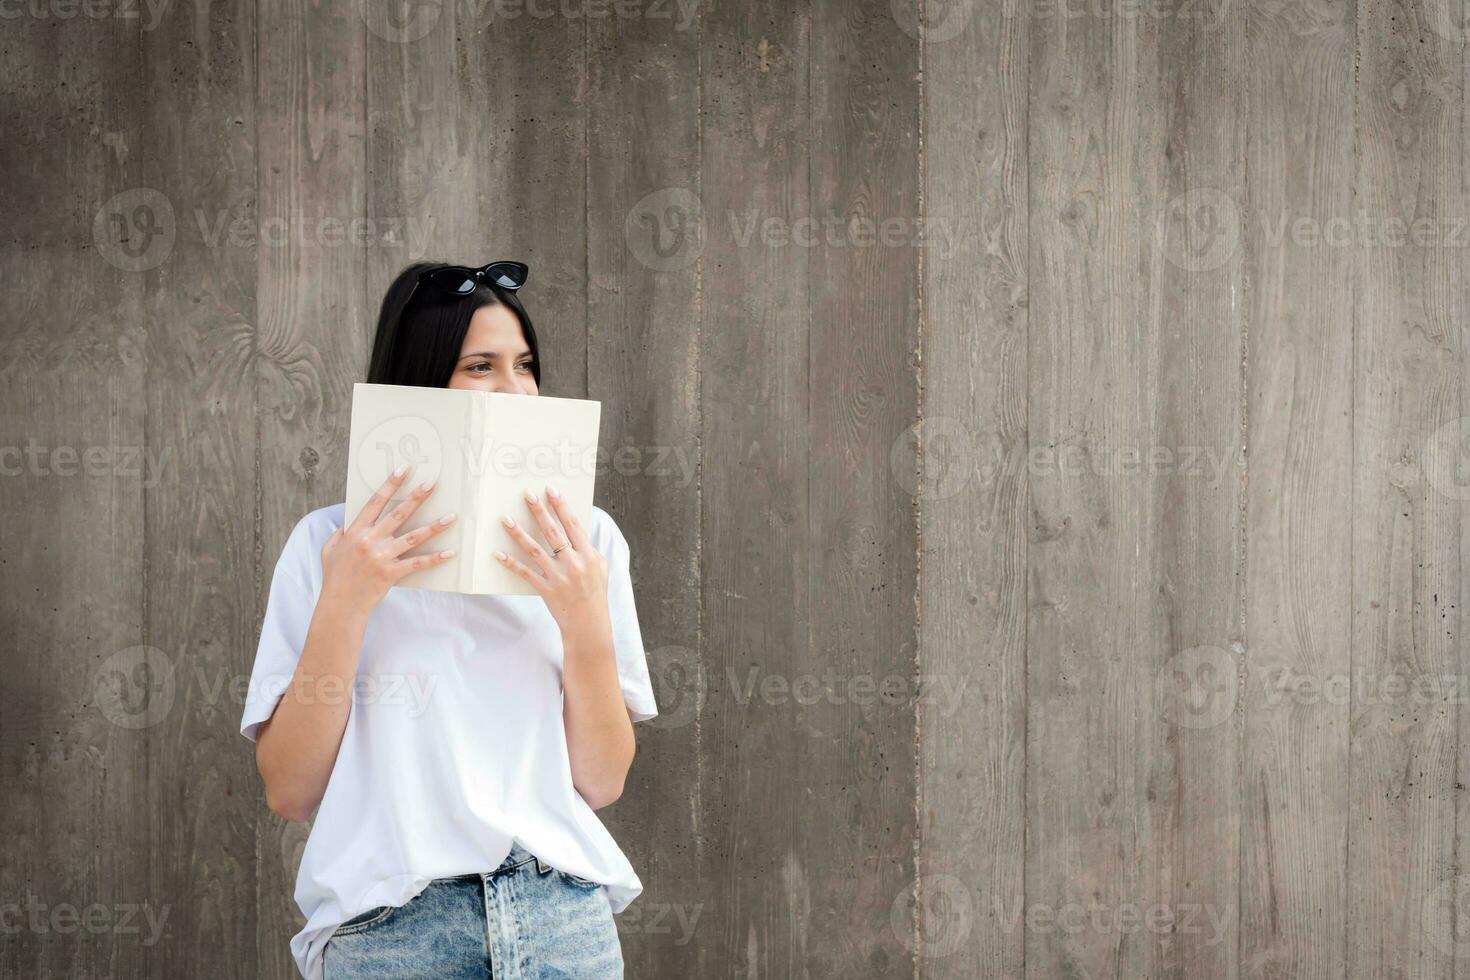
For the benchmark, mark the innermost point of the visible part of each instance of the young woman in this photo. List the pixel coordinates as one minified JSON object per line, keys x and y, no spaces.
{"x":454,"y":747}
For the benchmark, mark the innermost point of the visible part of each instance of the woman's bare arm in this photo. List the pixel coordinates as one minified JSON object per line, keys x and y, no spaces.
{"x":296,"y":748}
{"x":600,"y":740}
{"x":573,"y":582}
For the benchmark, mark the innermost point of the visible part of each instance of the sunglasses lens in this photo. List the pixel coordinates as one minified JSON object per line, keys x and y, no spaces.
{"x":507,"y":275}
{"x":453,"y":280}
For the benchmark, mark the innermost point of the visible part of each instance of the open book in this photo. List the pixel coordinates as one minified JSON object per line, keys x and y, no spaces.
{"x":486,"y":450}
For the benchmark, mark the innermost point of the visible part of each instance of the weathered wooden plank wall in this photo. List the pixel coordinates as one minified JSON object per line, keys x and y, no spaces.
{"x":1406,"y":762}
{"x":1299,"y":444}
{"x":644,"y":313}
{"x":72,"y":374}
{"x":1044,"y":439}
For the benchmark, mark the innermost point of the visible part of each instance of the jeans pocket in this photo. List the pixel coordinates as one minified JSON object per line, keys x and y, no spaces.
{"x":365,"y":920}
{"x":579,"y":882}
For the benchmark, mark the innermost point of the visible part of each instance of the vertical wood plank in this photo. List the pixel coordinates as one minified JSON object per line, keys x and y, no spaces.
{"x":1449,"y":461}
{"x":1193,"y":800}
{"x":971,"y":486}
{"x":503,"y":179}
{"x":315,"y":326}
{"x":1300,"y":499}
{"x":530,"y":76}
{"x":430,"y":161}
{"x":1097,"y":636}
{"x":1408,"y":501}
{"x":200,"y":514}
{"x":78,"y":711}
{"x":755,"y":592}
{"x":644,"y":311}
{"x":862,"y":562}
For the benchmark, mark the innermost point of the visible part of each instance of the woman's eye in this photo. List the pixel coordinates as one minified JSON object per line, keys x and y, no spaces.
{"x":524,"y":366}
{"x":476,"y":368}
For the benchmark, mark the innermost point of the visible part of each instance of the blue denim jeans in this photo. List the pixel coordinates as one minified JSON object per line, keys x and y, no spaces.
{"x":523,"y":921}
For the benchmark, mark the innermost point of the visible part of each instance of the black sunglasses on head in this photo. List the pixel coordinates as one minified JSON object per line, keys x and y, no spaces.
{"x":462,"y":280}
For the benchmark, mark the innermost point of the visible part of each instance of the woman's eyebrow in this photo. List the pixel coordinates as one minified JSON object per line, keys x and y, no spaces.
{"x":491,"y":355}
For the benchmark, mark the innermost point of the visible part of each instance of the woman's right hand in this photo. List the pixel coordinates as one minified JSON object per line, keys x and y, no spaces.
{"x":362,"y":561}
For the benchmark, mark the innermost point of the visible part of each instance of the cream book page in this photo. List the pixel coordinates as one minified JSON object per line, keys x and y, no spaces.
{"x":485,"y":450}
{"x":527,"y":444}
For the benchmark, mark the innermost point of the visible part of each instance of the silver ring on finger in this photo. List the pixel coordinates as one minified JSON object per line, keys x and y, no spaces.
{"x":558,"y":550}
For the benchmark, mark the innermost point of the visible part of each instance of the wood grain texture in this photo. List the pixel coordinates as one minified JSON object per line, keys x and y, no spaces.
{"x":971,"y":484}
{"x":526,"y":76}
{"x":644,"y":314}
{"x":1098,"y":776}
{"x":1300,"y":123}
{"x":1194,"y":799}
{"x":79,"y":731}
{"x":862,"y":563}
{"x":200,"y":400}
{"x":1408,"y":652}
{"x":312,"y":337}
{"x":759,"y":788}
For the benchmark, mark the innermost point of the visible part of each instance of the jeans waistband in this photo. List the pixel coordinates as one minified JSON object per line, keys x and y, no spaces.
{"x":517,"y":857}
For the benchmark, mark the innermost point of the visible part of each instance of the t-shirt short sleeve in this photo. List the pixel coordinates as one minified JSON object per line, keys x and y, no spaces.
{"x":627,"y":636}
{"x":283,"y":631}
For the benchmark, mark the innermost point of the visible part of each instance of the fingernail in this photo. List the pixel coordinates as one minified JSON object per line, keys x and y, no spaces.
{"x":508,"y":521}
{"x":401,"y":471}
{"x":426,"y":486}
{"x":501,"y":555}
{"x":553,"y":492}
{"x":448,"y":517}
{"x":447,"y":554}
{"x":530,"y":497}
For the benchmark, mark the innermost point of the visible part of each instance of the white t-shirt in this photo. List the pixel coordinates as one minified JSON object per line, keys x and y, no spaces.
{"x":454,"y":745}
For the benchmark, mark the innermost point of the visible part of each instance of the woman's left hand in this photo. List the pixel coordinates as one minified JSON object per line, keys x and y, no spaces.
{"x":573,"y":580}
